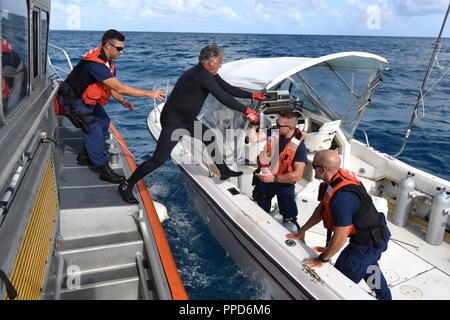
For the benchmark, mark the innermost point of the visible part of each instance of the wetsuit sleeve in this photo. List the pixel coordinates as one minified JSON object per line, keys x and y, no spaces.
{"x":209,"y":83}
{"x":234,"y":91}
{"x":99,"y":71}
{"x":343,"y":205}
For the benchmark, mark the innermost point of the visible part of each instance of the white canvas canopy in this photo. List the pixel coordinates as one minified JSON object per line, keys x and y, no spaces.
{"x":259,"y":73}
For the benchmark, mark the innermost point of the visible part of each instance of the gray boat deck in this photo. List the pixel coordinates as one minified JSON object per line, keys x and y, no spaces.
{"x":82,"y":182}
{"x":100,"y":239}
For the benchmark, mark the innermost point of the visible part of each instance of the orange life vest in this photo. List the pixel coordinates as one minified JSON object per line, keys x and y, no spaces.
{"x":6,"y":90}
{"x":368,"y":225}
{"x":340,"y":180}
{"x":97,"y":92}
{"x":285,"y":162}
{"x":6,"y":47}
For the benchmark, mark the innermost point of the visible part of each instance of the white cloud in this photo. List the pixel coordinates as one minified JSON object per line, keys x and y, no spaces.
{"x":166,"y":8}
{"x":147,"y":13}
{"x":419,"y":7}
{"x":396,"y":17}
{"x":229,"y":13}
{"x":408,"y":8}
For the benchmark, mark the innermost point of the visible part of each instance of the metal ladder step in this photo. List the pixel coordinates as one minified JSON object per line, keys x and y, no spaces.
{"x":122,"y":289}
{"x":78,"y":243}
{"x":101,"y":257}
{"x":91,"y":277}
{"x":96,"y":222}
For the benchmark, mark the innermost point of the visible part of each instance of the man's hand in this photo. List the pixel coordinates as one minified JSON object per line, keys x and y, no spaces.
{"x":127,"y":104}
{"x":156,"y":94}
{"x":313,"y":263}
{"x":258,"y":96}
{"x":299,"y":236}
{"x":266,"y":178}
{"x":252,"y":116}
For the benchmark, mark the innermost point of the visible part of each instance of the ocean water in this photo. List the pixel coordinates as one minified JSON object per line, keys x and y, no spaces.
{"x":150,"y":58}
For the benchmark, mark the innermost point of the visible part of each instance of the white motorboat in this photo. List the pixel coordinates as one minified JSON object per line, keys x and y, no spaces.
{"x":331,"y":92}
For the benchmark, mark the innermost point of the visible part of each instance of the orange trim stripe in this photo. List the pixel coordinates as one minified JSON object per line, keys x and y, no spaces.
{"x":168,"y":262}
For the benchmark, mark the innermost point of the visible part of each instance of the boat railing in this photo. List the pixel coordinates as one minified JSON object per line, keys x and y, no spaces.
{"x":365,"y":136}
{"x":162,"y":287}
{"x":155,"y":103}
{"x":57,"y":69}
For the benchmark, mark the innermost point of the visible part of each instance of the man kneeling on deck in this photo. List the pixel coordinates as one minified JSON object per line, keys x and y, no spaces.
{"x":347,"y":210}
{"x":281,"y":179}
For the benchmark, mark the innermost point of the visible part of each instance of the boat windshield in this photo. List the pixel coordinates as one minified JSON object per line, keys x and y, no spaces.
{"x":338,"y":93}
{"x":216,"y":115}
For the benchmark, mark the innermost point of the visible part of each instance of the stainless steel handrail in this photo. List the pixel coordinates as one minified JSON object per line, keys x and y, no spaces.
{"x":59,"y":276}
{"x":365,"y":135}
{"x":140,"y":265}
{"x":162,"y":287}
{"x":64,"y":52}
{"x":155,"y":104}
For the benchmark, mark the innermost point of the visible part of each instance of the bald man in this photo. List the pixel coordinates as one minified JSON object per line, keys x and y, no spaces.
{"x":347,"y":210}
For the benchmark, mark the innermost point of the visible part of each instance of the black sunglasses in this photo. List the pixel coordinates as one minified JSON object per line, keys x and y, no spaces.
{"x":117,"y":48}
{"x":281,"y":126}
{"x":315,"y":166}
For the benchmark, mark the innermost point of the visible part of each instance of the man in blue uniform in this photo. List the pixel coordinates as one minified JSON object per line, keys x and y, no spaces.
{"x":182,"y":108}
{"x":347,"y":210}
{"x":280,"y":181}
{"x":87,"y":88}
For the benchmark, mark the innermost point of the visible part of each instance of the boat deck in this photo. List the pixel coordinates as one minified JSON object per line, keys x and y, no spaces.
{"x":413,"y":268}
{"x":82,"y":182}
{"x":100,"y":239}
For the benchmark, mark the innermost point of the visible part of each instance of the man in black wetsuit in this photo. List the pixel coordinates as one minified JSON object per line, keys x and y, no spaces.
{"x":182,"y":108}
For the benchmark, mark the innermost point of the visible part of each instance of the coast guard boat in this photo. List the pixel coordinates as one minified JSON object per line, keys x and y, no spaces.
{"x":64,"y":234}
{"x":331,"y":93}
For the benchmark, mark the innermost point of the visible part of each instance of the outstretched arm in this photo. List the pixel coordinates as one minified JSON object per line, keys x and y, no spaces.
{"x":234,"y":91}
{"x":210,"y":84}
{"x":127,"y":90}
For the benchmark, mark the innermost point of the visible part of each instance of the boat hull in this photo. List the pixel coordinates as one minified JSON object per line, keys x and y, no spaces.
{"x":242,"y":249}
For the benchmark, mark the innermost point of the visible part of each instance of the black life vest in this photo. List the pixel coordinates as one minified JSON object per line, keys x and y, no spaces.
{"x":76,"y":81}
{"x":368,"y":225}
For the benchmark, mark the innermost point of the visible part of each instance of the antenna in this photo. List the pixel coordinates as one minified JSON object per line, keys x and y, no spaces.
{"x":427,"y":75}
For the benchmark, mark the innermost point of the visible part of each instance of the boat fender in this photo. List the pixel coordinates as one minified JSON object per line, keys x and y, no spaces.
{"x":161,"y":211}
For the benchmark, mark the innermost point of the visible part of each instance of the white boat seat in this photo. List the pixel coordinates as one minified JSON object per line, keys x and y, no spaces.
{"x":321,"y":140}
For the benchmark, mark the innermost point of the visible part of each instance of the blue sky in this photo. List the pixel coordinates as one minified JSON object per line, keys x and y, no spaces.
{"x":339,"y":17}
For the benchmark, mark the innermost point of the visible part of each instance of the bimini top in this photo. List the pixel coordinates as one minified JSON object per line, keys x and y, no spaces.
{"x":259,"y":73}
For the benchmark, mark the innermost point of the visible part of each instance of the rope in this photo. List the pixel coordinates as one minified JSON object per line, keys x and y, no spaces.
{"x":436,"y":60}
{"x":420,"y":113}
